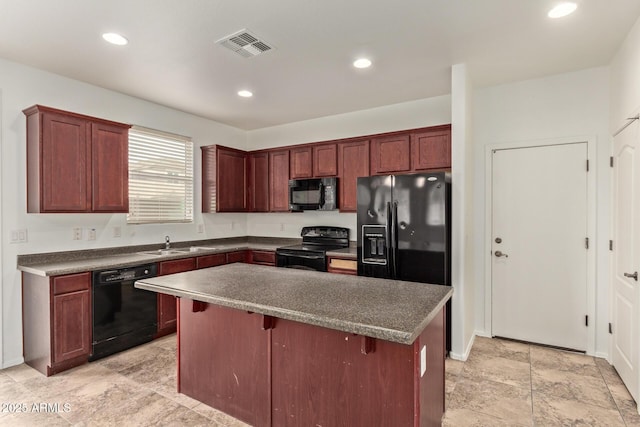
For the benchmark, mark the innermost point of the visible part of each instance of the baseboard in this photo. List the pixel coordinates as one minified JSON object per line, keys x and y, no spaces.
{"x":464,"y":356}
{"x":604,"y":356}
{"x":13,"y":362}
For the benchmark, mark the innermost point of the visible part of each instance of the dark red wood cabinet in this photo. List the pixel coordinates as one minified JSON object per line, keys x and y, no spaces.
{"x":390,"y":154}
{"x":262,"y":257}
{"x":279,"y":181}
{"x":301,"y":165}
{"x":431,"y":149}
{"x":259,"y":182}
{"x":56,"y":317}
{"x":325,"y":160}
{"x":353,"y":162}
{"x":224,"y":179}
{"x":75,"y":163}
{"x":167,"y":303}
{"x":236,"y":256}
{"x":211,"y":260}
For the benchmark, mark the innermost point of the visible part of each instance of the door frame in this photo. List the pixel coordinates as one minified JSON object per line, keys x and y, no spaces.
{"x":591,"y":226}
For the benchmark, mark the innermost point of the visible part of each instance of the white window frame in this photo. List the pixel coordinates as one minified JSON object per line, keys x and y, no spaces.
{"x":160,"y":177}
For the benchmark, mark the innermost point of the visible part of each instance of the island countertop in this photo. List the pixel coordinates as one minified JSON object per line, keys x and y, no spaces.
{"x":391,"y":310}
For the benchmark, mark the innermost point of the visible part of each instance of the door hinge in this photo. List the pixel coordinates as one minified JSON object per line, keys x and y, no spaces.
{"x":610,"y":245}
{"x":587,"y":165}
{"x":610,"y":328}
{"x":586,"y":320}
{"x":586,"y":243}
{"x":611,"y":161}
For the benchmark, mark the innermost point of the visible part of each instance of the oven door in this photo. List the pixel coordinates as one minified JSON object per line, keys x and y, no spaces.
{"x":303,"y":260}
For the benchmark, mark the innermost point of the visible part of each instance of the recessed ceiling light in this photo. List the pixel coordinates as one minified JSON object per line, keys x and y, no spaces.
{"x":362,"y":63}
{"x":245,"y":93}
{"x":115,"y":38}
{"x":562,"y":9}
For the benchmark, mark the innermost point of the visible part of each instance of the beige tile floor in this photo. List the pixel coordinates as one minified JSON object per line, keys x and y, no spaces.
{"x":502,"y":384}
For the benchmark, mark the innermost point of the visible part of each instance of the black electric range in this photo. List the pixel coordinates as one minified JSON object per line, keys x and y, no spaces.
{"x":311,"y":254}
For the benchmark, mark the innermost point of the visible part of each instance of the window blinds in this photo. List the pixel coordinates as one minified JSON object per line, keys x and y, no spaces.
{"x":160,"y":177}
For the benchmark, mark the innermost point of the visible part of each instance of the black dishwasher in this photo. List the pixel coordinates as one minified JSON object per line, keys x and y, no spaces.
{"x":123,"y":316}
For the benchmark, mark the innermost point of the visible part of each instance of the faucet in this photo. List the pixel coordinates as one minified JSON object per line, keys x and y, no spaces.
{"x":167,"y":243}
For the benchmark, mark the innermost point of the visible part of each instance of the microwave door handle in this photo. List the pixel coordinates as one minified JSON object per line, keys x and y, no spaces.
{"x":321,"y":189}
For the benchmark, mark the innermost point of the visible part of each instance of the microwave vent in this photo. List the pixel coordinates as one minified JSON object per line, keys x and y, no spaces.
{"x":245,"y":44}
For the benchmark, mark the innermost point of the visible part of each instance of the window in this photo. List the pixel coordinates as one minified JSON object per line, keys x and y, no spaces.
{"x":160,"y":177}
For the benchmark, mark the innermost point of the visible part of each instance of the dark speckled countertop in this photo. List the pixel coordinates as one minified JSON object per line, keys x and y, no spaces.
{"x":390,"y":310}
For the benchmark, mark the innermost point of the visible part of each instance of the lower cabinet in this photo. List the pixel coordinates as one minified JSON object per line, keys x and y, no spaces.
{"x":262,"y":257}
{"x":342,"y":265}
{"x":167,"y":313}
{"x":56,"y":317}
{"x":237,"y":256}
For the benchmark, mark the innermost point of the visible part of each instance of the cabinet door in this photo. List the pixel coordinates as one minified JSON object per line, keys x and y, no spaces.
{"x":325,"y":160}
{"x":263,"y":257}
{"x":259,"y":182}
{"x":279,"y":181}
{"x":238,"y":256}
{"x":301,"y":165}
{"x":390,"y":154}
{"x":66,"y":174}
{"x":431,"y":150}
{"x":110,"y":164}
{"x":211,"y":260}
{"x":167,"y":313}
{"x":71,"y":325}
{"x":353,"y":162}
{"x":209,"y":179}
{"x":231,"y":180}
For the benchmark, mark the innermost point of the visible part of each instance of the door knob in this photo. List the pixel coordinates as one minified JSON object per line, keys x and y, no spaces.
{"x":633,"y":276}
{"x":501,"y":254}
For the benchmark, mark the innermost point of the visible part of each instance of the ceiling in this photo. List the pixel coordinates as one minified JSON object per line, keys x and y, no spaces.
{"x":172,"y":58}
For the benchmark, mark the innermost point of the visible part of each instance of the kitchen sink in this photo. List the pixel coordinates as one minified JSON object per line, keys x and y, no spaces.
{"x":165,"y":252}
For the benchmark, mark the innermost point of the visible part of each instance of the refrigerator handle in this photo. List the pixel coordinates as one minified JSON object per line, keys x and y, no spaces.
{"x":393,"y":213}
{"x":389,"y":238}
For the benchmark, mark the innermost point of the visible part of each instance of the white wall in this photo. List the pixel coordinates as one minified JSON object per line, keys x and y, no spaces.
{"x":625,"y":84}
{"x":407,"y":115}
{"x":22,"y":87}
{"x":567,"y":105}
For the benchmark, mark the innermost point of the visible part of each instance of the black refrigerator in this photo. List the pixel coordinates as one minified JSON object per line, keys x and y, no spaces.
{"x":404,"y":229}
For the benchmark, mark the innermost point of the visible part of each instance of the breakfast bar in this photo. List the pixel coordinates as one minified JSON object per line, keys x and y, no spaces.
{"x":285,"y":347}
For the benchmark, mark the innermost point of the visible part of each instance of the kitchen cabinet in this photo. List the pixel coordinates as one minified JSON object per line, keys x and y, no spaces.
{"x":340,"y":265}
{"x":279,"y":181}
{"x":262,"y":257}
{"x":325,"y":160}
{"x":224,"y":179}
{"x":211,"y":260}
{"x":56,"y":317}
{"x":259,"y":182}
{"x":75,"y":163}
{"x":431,"y":149}
{"x":353,"y":162}
{"x":167,"y":313}
{"x":391,"y":154}
{"x":301,"y":165}
{"x":236,"y":256}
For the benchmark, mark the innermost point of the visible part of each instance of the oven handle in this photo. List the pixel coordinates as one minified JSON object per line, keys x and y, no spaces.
{"x":301,"y":256}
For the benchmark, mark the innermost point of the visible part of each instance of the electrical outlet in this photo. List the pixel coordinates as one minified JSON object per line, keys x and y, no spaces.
{"x":19,"y":236}
{"x":117,"y":231}
{"x":77,"y":233}
{"x":92,"y":234}
{"x":200,"y":228}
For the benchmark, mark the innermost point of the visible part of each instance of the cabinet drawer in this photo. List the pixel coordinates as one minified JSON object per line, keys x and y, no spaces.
{"x":263,"y":257}
{"x":211,"y":260}
{"x":71,"y":283}
{"x":177,"y":266}
{"x":239,"y":256}
{"x":343,"y":266}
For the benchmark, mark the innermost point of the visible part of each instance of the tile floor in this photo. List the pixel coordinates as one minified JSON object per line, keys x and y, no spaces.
{"x":503,"y":383}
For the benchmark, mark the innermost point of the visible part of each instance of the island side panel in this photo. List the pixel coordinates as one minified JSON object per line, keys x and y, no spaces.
{"x":430,"y":396}
{"x":224,"y":360}
{"x":321,"y":377}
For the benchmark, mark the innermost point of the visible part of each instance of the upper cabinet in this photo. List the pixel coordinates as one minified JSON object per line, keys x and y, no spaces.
{"x":431,"y":149}
{"x":325,"y":160}
{"x":224,"y":179}
{"x":353,"y":162}
{"x":390,"y":154}
{"x":279,"y":181}
{"x":301,"y":165}
{"x":75,"y":163}
{"x":259,"y":182}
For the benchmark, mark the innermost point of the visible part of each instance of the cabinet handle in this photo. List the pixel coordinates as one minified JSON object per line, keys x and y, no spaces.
{"x":633,"y":276}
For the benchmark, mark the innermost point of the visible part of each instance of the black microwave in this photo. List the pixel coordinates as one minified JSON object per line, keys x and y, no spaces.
{"x":316,"y":194}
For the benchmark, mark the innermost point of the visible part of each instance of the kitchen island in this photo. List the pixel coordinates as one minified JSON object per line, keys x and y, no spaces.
{"x":284,"y":347}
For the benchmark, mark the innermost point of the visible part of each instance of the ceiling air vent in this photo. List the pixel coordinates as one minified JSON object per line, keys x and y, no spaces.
{"x":245,"y":44}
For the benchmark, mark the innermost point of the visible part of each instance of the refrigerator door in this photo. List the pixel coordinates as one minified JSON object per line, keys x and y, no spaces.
{"x":421,"y":206}
{"x":374,"y":199}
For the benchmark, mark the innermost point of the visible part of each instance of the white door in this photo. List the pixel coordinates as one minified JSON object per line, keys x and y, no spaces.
{"x":539,"y":254}
{"x":626,"y":257}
